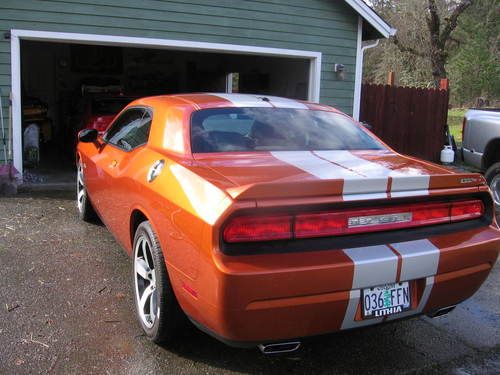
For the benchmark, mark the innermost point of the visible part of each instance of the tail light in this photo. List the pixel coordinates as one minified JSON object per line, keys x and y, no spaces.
{"x":344,"y":222}
{"x":255,"y":228}
{"x":466,"y":210}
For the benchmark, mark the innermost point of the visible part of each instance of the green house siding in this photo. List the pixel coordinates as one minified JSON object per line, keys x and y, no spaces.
{"x":326,"y":26}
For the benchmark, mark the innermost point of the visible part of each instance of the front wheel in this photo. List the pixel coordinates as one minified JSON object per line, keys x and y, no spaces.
{"x":492,"y":176}
{"x":156,"y":305}
{"x":85,"y":210}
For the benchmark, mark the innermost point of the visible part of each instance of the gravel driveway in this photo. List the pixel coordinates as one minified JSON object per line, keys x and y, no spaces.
{"x":66,"y":307}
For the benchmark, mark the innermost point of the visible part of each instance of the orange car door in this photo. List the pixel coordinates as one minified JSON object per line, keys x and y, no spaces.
{"x":123,"y":142}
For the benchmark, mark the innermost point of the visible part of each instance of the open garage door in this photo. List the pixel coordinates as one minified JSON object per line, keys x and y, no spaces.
{"x":66,"y":86}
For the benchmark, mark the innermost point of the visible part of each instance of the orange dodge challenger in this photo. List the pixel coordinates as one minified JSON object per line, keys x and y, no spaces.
{"x":265,"y":219}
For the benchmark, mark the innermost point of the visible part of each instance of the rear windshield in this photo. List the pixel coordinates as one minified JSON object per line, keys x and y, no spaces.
{"x":276,"y":129}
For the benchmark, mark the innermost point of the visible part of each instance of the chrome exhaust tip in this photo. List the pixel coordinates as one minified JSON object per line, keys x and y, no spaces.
{"x":442,"y":311}
{"x":279,"y":347}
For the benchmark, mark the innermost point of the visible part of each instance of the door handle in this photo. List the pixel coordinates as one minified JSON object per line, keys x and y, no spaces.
{"x":113,"y":164}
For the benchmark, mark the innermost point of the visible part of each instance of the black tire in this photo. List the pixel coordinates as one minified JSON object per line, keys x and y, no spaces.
{"x":85,"y":210}
{"x":492,"y":176}
{"x":170,"y":318}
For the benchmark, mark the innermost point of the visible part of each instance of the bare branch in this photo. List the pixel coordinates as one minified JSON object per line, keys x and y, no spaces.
{"x":457,"y":42}
{"x":407,"y":49}
{"x":451,"y":22}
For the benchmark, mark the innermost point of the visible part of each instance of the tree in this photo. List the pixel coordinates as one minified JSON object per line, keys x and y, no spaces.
{"x":439,"y":37}
{"x":411,"y":69}
{"x":421,"y":48}
{"x":468,"y":43}
{"x":473,"y":66}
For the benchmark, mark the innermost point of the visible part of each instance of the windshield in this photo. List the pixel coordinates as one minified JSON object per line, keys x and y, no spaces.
{"x":276,"y":129}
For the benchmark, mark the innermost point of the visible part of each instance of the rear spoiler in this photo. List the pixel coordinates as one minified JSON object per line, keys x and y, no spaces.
{"x":406,"y":186}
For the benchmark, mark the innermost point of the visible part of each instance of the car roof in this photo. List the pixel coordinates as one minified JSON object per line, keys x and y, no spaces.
{"x":218,"y":100}
{"x":176,"y":108}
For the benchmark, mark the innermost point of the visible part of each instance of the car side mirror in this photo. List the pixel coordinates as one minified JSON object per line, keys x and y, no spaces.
{"x":88,"y":135}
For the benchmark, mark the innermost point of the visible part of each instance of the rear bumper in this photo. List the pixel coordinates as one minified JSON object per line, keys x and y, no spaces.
{"x":274,"y":297}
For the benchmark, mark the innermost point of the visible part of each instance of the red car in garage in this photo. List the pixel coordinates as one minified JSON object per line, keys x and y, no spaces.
{"x":100,"y":110}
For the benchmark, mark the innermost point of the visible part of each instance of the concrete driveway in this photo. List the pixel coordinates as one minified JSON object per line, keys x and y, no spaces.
{"x":66,"y":307}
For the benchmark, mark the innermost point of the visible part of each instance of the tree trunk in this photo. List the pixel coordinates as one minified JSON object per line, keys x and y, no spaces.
{"x":438,"y":61}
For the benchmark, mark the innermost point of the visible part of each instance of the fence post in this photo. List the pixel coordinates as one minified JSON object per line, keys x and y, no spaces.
{"x":444,"y":84}
{"x":390,"y":78}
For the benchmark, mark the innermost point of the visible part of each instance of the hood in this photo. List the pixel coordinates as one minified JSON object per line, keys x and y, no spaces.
{"x":355,"y":175}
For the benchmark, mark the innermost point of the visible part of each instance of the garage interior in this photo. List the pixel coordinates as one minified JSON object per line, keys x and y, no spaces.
{"x":63,"y":85}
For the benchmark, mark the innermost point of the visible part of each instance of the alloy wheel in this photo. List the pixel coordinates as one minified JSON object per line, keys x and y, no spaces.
{"x":80,"y":188}
{"x":145,"y":283}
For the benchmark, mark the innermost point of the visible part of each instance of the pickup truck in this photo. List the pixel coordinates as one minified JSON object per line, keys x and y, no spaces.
{"x":481,"y":145}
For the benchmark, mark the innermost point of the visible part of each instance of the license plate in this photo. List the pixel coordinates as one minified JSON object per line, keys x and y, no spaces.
{"x":386,"y":300}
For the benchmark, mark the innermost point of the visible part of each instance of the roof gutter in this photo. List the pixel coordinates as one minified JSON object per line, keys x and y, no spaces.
{"x":370,"y":16}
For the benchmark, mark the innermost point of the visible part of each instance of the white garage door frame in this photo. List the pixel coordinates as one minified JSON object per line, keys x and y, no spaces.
{"x":125,"y":41}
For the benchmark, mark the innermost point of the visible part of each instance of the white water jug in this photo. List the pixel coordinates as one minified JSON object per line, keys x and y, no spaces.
{"x":447,"y":155}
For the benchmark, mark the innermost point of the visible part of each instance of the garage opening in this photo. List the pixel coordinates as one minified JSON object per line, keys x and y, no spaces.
{"x":67,"y":87}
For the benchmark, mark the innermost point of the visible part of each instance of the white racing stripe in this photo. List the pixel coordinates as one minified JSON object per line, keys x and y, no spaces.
{"x":362,"y":166}
{"x":373,"y":266}
{"x":419,"y":259}
{"x":313,"y":165}
{"x":405,"y":183}
{"x":243,"y":100}
{"x":363,"y":179}
{"x":409,"y":193}
{"x":377,"y":265}
{"x":356,"y":187}
{"x":285,"y":103}
{"x":248,"y":100}
{"x":371,"y":178}
{"x":409,"y":185}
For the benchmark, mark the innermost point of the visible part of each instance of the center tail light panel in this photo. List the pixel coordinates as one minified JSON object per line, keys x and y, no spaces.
{"x":349,"y":221}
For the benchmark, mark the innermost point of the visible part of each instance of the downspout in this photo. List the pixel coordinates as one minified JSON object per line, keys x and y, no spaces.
{"x":359,"y":77}
{"x":368,"y":46}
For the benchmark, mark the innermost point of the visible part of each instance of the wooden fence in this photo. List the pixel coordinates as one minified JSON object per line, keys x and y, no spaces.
{"x":409,"y":119}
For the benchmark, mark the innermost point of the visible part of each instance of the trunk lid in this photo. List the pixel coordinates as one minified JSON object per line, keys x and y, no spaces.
{"x":354,"y":175}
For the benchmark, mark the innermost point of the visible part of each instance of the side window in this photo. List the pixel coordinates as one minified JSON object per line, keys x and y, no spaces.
{"x":130,"y":130}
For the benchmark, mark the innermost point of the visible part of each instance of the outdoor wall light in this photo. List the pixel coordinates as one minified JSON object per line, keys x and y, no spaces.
{"x":340,"y":71}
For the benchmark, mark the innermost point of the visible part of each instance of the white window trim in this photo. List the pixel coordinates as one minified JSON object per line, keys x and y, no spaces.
{"x":110,"y":40}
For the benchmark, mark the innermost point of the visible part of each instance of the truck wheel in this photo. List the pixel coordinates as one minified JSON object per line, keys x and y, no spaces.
{"x":157,"y":308}
{"x":492,"y":176}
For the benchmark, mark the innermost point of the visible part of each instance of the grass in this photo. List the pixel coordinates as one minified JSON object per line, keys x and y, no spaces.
{"x":455,"y":118}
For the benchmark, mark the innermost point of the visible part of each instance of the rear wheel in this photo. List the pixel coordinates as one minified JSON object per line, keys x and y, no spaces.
{"x":492,"y":176}
{"x":157,"y":309}
{"x":85,"y":210}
